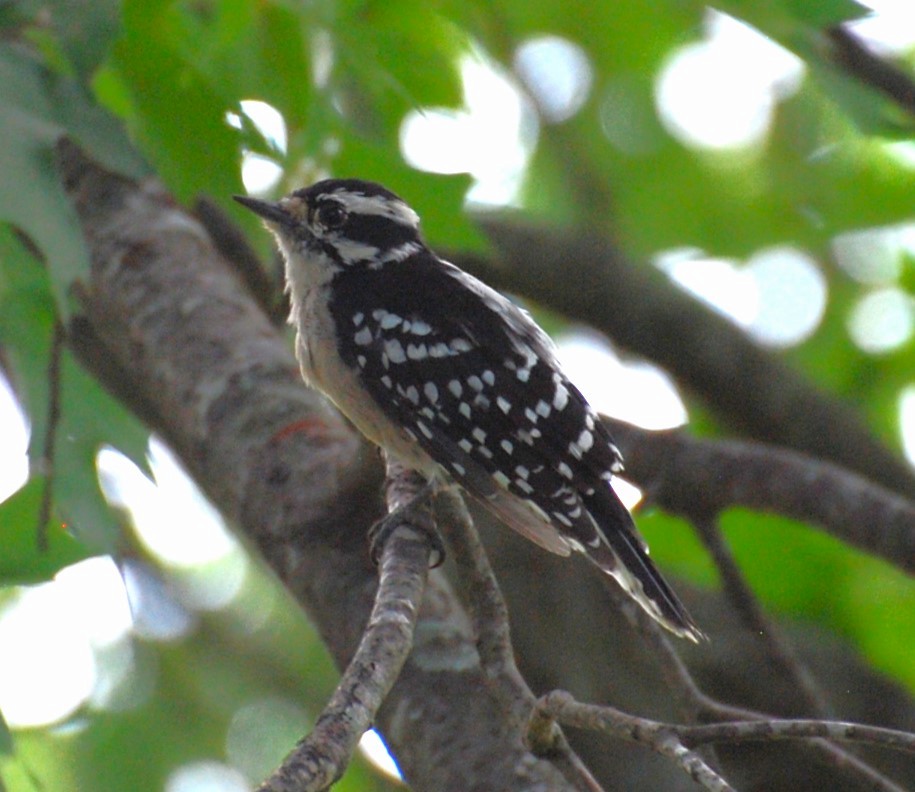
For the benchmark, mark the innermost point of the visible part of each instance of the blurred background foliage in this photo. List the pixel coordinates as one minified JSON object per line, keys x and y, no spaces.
{"x":610,"y":119}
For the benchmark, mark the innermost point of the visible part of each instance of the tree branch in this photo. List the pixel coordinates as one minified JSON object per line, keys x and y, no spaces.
{"x":656,"y":735}
{"x":701,"y":478}
{"x":320,"y":759}
{"x":480,"y":591}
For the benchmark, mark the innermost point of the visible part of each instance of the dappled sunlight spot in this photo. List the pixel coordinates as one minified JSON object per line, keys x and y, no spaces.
{"x":157,"y":613}
{"x":94,"y":591}
{"x":881,"y":321}
{"x":778,"y":296}
{"x":214,"y":585}
{"x":14,"y":463}
{"x":172,"y":517}
{"x":491,"y":138}
{"x":720,"y":93}
{"x":262,"y":732}
{"x":890,"y":29}
{"x":268,"y":121}
{"x":907,"y":421}
{"x":557,"y":73}
{"x":902,"y":151}
{"x":627,"y":118}
{"x":874,"y":255}
{"x":261,"y":173}
{"x":67,"y":643}
{"x":791,"y":293}
{"x":720,"y":283}
{"x":47,"y":668}
{"x":124,"y":682}
{"x":628,"y":493}
{"x":206,"y":776}
{"x":636,"y":392}
{"x":372,"y":747}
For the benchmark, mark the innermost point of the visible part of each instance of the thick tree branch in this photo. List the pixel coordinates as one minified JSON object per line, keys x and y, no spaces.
{"x":585,"y":277}
{"x":701,"y":478}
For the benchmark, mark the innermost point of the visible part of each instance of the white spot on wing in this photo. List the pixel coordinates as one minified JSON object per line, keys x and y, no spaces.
{"x":389,"y":321}
{"x":395,"y":351}
{"x":417,"y":351}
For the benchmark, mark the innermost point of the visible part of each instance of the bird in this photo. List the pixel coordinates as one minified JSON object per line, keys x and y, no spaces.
{"x":454,"y":380}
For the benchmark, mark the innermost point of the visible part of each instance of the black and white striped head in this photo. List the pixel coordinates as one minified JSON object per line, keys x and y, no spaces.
{"x":341,"y":222}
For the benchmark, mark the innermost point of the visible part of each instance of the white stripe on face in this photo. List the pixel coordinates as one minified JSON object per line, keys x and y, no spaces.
{"x":357,"y":203}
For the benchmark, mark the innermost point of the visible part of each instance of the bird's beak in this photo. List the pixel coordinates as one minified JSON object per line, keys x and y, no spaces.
{"x":269,"y":211}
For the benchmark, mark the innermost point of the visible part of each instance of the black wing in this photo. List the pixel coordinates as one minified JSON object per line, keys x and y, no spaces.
{"x":477,"y":383}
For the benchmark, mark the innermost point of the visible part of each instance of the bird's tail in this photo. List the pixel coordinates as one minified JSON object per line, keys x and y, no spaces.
{"x":623,"y":554}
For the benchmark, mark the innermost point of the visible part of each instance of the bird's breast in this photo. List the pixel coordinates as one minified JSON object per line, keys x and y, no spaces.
{"x":323,"y":368}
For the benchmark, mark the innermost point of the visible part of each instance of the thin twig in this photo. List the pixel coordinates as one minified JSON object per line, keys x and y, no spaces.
{"x":656,"y":736}
{"x":780,"y":652}
{"x":483,"y":597}
{"x":484,"y":600}
{"x":696,"y":705}
{"x":321,"y":757}
{"x":52,"y":418}
{"x":796,"y":729}
{"x":563,"y":707}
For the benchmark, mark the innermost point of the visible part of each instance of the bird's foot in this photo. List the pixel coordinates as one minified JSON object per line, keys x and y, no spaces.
{"x":416,"y":514}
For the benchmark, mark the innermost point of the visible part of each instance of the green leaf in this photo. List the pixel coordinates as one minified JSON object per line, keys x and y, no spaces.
{"x":31,"y":196}
{"x":36,"y":109}
{"x":85,"y":29}
{"x":175,"y":111}
{"x":21,"y":562}
{"x":89,"y":417}
{"x":6,"y":739}
{"x":402,"y":53}
{"x":26,"y":322}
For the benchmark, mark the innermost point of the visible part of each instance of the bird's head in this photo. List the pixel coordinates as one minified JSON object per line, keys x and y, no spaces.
{"x":350,"y":221}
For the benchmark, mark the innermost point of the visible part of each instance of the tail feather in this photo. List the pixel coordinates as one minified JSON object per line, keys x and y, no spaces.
{"x":623,"y":554}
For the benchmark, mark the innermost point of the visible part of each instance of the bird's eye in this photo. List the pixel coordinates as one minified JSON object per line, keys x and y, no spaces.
{"x":331,"y":215}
